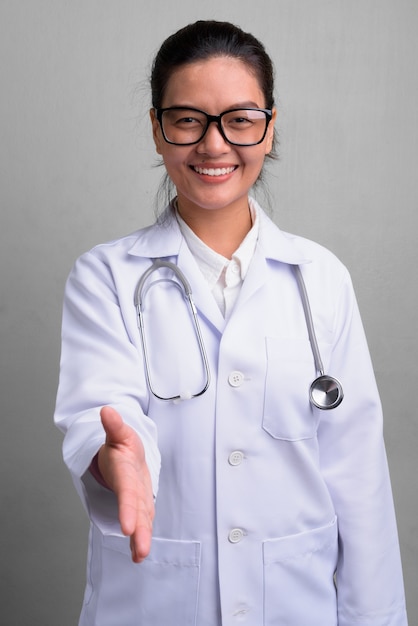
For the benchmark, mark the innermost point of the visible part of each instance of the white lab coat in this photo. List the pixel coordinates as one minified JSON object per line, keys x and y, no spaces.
{"x":261,"y":498}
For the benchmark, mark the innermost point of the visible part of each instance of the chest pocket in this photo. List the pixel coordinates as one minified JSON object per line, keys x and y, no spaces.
{"x":288,"y":414}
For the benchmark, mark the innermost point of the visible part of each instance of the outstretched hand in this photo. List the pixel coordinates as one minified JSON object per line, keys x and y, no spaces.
{"x":122,"y":464}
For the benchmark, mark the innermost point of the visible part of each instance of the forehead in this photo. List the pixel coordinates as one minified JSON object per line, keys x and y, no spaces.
{"x":218,"y":81}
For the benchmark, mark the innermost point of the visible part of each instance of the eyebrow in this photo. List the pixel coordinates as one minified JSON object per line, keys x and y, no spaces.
{"x":237,"y":105}
{"x":250,"y":105}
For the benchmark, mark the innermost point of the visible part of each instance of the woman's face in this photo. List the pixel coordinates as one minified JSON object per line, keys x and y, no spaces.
{"x":214,"y":85}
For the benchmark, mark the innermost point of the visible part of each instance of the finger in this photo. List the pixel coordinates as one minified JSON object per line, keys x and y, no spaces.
{"x":136,"y":504}
{"x":128,"y":501}
{"x":113,"y":424}
{"x":140,"y":543}
{"x":135,"y":516}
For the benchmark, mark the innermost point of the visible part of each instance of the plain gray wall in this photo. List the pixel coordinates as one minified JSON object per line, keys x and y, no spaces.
{"x":77,"y":168}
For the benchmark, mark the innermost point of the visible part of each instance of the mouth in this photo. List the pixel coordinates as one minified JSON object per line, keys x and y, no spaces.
{"x":214,"y":171}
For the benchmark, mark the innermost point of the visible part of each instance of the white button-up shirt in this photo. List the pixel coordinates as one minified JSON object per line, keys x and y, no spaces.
{"x":224,"y":276}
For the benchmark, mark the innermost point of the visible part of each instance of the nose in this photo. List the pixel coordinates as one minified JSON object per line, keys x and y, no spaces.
{"x":213,"y":142}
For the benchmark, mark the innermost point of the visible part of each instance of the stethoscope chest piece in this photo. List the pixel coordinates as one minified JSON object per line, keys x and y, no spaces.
{"x":326,"y":392}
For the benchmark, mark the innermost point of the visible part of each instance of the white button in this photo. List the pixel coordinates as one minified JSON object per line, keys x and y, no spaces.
{"x":236,"y":379}
{"x":236,"y":535}
{"x":232,"y":275}
{"x":236,"y":457}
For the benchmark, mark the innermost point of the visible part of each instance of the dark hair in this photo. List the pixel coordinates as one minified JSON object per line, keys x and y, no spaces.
{"x":207,"y":39}
{"x":203,"y":40}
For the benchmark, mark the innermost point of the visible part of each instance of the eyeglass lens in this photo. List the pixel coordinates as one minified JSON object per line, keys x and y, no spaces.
{"x":241,"y":127}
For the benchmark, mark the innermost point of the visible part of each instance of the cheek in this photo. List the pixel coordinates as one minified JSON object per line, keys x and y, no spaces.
{"x":256,"y":161}
{"x":173,"y":162}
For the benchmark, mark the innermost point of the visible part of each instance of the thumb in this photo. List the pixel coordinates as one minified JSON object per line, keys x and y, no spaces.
{"x":113,"y":425}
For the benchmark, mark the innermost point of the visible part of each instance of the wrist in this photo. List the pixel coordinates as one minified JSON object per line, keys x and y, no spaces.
{"x":96,"y":473}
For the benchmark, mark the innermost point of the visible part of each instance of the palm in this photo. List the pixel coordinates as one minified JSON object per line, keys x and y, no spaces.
{"x":123,"y":466}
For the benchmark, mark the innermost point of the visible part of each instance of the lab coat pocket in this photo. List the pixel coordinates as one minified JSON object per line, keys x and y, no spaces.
{"x":299,"y":578}
{"x":290,"y":371}
{"x":161,"y":590}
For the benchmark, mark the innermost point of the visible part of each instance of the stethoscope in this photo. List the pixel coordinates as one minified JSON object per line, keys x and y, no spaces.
{"x":325,"y":391}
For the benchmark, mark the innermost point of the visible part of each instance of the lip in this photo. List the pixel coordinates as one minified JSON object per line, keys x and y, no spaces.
{"x":214,"y":171}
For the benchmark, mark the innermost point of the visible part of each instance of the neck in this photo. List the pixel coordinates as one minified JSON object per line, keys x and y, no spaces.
{"x":220,"y":229}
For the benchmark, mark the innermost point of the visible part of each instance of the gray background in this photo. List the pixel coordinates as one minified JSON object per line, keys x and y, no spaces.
{"x":77,"y":168}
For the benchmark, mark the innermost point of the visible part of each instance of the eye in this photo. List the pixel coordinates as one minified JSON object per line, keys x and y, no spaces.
{"x":239,"y":121}
{"x":185,"y":118}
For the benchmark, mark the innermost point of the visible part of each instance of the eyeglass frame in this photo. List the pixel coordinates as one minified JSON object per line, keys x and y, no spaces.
{"x":217,"y":119}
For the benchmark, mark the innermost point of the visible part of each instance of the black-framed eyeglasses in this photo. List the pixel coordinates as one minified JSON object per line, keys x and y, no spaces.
{"x":187,"y":126}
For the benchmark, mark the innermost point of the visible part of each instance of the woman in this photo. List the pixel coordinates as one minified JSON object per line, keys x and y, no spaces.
{"x":268,"y":510}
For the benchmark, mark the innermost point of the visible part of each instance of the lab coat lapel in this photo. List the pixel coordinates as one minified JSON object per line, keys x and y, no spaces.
{"x":164,"y":240}
{"x":255,"y":278}
{"x":272,"y":245}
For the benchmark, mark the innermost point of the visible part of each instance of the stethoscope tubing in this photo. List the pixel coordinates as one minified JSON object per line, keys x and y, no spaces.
{"x":138,"y":300}
{"x":325,"y":392}
{"x":309,"y":321}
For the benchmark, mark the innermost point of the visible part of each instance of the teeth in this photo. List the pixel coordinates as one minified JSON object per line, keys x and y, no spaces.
{"x":212,"y":171}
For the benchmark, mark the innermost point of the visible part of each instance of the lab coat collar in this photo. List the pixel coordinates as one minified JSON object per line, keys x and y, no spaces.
{"x":278,"y":245}
{"x":164,"y":239}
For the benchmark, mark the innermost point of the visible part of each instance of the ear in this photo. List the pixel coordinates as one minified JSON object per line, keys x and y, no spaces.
{"x":270,"y":131}
{"x":156,"y":131}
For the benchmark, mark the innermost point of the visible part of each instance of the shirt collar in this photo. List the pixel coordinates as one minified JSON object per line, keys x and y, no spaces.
{"x":211,"y":263}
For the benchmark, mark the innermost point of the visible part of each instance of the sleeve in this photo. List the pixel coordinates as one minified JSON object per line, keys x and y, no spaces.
{"x":353,"y":459}
{"x":100,"y":365}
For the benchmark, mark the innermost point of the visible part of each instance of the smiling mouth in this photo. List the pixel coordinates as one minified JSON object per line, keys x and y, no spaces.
{"x":214,"y":171}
